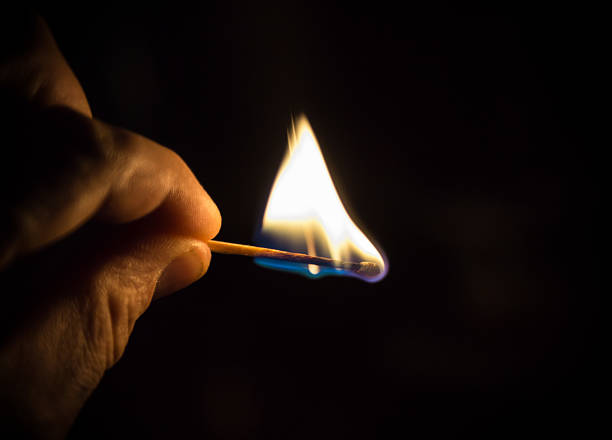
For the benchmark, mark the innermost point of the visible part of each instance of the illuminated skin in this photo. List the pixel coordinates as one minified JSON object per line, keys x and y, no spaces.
{"x":87,"y":238}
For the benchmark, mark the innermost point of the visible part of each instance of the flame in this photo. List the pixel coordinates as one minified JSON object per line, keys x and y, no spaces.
{"x":305,"y":214}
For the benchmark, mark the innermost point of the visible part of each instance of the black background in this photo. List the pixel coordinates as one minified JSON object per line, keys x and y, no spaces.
{"x":453,"y":137}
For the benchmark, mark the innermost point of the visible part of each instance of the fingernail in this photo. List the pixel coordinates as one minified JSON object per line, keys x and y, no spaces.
{"x":183,"y":271}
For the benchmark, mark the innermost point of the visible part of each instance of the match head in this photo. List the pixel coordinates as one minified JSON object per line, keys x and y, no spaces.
{"x":367,"y":269}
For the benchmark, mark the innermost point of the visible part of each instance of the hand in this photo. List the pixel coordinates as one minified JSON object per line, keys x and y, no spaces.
{"x":96,"y":220}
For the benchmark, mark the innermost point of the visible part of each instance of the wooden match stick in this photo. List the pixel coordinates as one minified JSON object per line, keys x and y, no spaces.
{"x":363,"y":267}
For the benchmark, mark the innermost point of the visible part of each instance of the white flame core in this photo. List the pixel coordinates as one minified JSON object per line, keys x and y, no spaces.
{"x":304,"y":201}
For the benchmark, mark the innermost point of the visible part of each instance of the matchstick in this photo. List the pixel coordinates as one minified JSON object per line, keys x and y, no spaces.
{"x":362,"y":268}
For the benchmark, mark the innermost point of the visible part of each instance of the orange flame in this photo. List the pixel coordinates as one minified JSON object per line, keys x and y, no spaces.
{"x":305,"y":214}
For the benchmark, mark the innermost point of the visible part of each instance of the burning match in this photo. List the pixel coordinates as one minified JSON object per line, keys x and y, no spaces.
{"x":305,"y":216}
{"x":362,"y":268}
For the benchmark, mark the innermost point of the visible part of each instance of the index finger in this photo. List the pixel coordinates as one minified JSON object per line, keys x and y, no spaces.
{"x":112,"y":173}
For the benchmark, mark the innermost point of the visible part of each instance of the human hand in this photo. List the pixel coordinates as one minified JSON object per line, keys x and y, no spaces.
{"x":96,"y":221}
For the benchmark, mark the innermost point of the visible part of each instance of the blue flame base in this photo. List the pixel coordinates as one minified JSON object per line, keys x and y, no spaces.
{"x":301,"y":269}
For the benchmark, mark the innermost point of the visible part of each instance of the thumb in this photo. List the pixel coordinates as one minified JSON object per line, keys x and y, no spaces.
{"x":183,"y":270}
{"x":73,"y":320}
{"x":123,"y":279}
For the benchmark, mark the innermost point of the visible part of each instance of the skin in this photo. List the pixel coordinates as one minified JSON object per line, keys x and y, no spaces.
{"x":97,"y":220}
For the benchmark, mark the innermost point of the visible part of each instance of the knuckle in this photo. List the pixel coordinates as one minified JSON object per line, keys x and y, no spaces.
{"x":112,"y":144}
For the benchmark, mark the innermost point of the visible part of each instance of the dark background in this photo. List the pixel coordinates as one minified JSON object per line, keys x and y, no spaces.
{"x":453,"y":136}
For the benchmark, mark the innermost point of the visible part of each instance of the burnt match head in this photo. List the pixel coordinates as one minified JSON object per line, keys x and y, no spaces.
{"x":368,"y":269}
